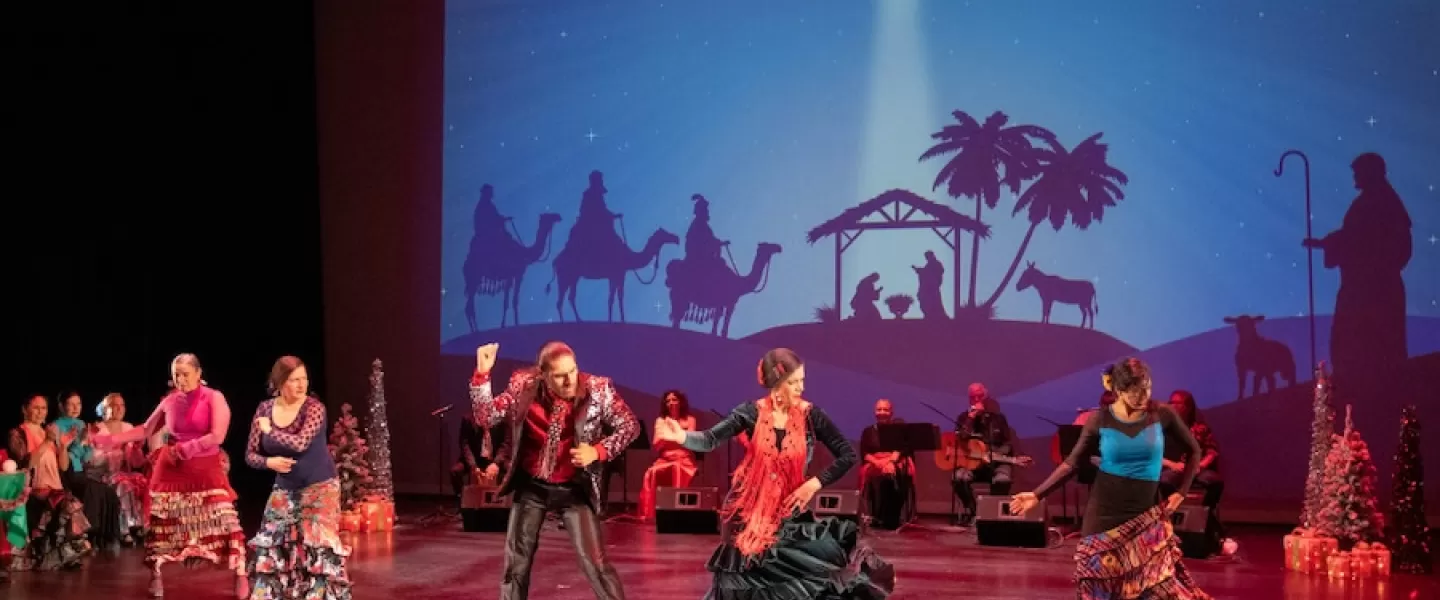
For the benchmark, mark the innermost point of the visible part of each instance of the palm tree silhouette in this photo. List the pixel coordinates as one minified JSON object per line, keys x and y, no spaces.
{"x":1078,"y":184}
{"x":981,"y":153}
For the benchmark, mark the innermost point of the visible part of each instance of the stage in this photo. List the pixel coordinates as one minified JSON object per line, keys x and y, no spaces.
{"x":442,"y":562}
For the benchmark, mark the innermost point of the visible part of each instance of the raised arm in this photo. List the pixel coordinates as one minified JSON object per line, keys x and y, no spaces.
{"x":740,"y":420}
{"x":840,"y":448}
{"x":219,"y":424}
{"x":311,"y":421}
{"x":619,"y":420}
{"x":1087,"y":445}
{"x":1175,"y":427}
{"x":491,"y":410}
{"x":252,"y":444}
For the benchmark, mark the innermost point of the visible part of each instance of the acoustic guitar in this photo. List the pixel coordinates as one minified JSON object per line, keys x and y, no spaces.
{"x":971,"y":454}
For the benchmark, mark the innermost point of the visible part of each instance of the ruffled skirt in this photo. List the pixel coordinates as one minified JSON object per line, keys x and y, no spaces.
{"x":58,"y":537}
{"x":1140,"y":558}
{"x":192,"y":513}
{"x":298,"y":554}
{"x":812,"y":559}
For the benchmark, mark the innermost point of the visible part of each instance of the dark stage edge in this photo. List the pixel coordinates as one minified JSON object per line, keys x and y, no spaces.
{"x":414,"y":563}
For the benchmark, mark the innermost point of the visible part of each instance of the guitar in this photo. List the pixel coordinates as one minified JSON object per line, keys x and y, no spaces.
{"x":971,"y":454}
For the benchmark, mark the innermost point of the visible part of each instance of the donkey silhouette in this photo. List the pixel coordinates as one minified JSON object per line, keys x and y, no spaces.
{"x":1054,"y":289}
{"x":1266,"y":358}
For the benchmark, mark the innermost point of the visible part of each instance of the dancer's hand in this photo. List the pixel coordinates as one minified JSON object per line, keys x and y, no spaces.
{"x":485,"y":357}
{"x":279,"y":464}
{"x":1173,"y":502}
{"x":264,"y":424}
{"x":583,"y":455}
{"x":669,"y":430}
{"x":800,"y":498}
{"x":1022,"y":502}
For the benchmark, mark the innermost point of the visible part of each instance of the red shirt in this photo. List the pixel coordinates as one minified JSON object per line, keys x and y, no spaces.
{"x":535,"y":433}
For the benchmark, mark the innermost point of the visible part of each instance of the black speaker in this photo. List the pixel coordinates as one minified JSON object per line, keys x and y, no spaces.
{"x":687,"y":510}
{"x":841,"y":504}
{"x":995,"y":526}
{"x":482,"y":509}
{"x":1194,"y":527}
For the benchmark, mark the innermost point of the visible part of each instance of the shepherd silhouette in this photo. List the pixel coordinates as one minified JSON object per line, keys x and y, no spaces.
{"x":1371,"y":248}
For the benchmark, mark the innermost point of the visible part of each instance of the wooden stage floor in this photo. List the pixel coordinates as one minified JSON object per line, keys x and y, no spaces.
{"x":443,"y":563}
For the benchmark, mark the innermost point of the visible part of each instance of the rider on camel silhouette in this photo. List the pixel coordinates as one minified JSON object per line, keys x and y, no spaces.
{"x":702,"y":248}
{"x":594,"y":230}
{"x":1371,"y":248}
{"x":488,"y":222}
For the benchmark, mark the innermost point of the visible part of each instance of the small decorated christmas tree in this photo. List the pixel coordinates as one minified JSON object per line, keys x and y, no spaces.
{"x":383,"y":486}
{"x":1322,"y":431}
{"x":348,"y":450}
{"x":1349,"y":513}
{"x":1409,"y":533}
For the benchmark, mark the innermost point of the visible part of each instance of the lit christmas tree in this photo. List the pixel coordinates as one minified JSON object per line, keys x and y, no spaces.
{"x":1350,"y":512}
{"x":348,"y":450}
{"x":383,"y":485}
{"x":1322,"y":431}
{"x":1409,"y":533}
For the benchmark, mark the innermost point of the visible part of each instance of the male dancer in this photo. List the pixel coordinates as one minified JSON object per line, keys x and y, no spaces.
{"x":557,"y":416}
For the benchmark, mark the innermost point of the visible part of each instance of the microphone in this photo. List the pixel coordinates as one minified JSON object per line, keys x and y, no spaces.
{"x":442,"y":410}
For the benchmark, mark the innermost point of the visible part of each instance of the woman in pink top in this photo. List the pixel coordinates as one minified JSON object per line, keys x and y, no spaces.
{"x":192,"y":506}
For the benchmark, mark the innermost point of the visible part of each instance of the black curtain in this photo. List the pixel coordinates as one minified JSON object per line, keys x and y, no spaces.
{"x":162,"y":200}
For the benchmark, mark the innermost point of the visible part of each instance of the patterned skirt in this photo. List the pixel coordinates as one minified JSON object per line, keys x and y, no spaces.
{"x":1138,"y":559}
{"x":298,"y":554}
{"x":192,"y":513}
{"x":58,"y":538}
{"x":813,"y":559}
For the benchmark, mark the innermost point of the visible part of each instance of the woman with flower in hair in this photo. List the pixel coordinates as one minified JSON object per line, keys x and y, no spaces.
{"x":774,"y":548}
{"x":1128,"y":548}
{"x":192,"y":506}
{"x":298,"y":552}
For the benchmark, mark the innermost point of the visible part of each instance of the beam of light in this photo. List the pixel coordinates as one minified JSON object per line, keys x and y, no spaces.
{"x":900,"y":116}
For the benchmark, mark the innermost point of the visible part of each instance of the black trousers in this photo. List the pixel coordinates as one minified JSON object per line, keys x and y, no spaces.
{"x":532,"y":501}
{"x":997,"y":475}
{"x":887,"y":498}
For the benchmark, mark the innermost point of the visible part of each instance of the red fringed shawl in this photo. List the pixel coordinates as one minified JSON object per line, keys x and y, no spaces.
{"x":767,"y":476}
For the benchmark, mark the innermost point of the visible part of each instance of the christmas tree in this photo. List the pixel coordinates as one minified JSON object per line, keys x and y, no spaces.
{"x":379,"y":430}
{"x":1322,"y":430}
{"x":348,"y":449}
{"x":1409,"y":533}
{"x":1349,"y":512}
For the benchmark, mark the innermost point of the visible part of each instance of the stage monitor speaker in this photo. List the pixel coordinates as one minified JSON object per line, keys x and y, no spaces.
{"x":841,"y":504}
{"x":483,"y":509}
{"x":687,"y":510}
{"x":1192,"y":525}
{"x":995,"y":526}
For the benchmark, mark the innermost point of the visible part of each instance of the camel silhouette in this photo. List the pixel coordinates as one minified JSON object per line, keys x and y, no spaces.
{"x":498,"y":266}
{"x":714,"y":299}
{"x":1053,"y":288}
{"x":572,"y":265}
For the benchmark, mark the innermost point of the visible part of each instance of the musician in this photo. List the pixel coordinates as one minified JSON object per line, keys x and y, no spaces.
{"x":1208,"y":477}
{"x":985,"y":422}
{"x":887,"y":479}
{"x":479,"y":448}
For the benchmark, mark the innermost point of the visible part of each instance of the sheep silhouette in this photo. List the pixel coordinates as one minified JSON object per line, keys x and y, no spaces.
{"x":1265,"y":358}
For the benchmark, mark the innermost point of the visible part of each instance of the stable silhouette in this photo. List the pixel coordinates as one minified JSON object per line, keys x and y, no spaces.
{"x":1054,"y":289}
{"x":1266,"y":359}
{"x":1371,"y":249}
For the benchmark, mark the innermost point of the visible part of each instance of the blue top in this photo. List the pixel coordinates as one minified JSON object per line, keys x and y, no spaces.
{"x":302,"y":440}
{"x":1135,"y":457}
{"x":79,"y":453}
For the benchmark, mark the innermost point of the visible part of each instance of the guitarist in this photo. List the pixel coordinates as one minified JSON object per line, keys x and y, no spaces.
{"x":991,"y":427}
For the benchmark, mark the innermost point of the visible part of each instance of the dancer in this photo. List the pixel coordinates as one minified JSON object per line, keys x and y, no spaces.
{"x":773,"y":547}
{"x":554,"y":411}
{"x":297,"y":553}
{"x":192,"y":506}
{"x":1129,"y":549}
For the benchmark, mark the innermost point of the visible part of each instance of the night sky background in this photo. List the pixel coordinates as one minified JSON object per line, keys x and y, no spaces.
{"x":783,"y":114}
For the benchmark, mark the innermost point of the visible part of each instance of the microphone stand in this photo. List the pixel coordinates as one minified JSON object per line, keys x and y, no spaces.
{"x":443,"y":513}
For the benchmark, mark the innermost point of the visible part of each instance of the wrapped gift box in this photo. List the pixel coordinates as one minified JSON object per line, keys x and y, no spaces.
{"x":1370,"y":560}
{"x":1308,"y":552}
{"x":350,"y":521}
{"x":377,"y":515}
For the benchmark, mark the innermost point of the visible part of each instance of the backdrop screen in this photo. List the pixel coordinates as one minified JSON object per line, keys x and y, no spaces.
{"x":917,"y":196}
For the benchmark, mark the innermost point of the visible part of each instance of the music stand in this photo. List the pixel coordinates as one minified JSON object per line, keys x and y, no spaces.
{"x":1069,"y":436}
{"x":907,"y":439}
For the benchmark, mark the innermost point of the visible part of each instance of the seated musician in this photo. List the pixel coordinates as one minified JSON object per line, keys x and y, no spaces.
{"x":985,"y":422}
{"x":1208,"y":478}
{"x":478,"y":451}
{"x":887,"y":479}
{"x":674,"y":466}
